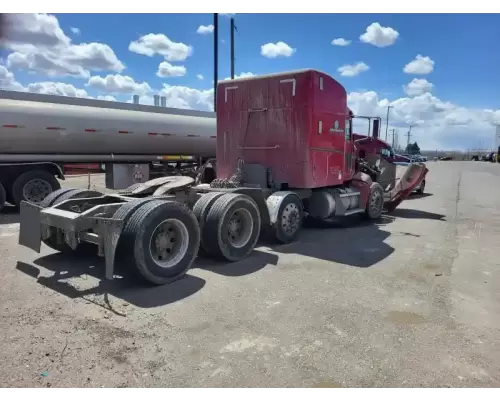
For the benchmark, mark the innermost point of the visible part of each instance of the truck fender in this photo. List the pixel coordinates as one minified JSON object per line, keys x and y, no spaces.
{"x":53,"y":167}
{"x":274,"y":202}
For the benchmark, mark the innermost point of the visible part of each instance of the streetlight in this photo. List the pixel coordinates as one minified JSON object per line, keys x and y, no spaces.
{"x":387,"y":126}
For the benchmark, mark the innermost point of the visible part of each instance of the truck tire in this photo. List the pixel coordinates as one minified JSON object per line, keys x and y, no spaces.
{"x":3,"y":196}
{"x":33,"y":186}
{"x":160,"y":241}
{"x":57,"y":197}
{"x":200,"y":210}
{"x":51,"y":198}
{"x":289,"y":217}
{"x":375,"y":203}
{"x":232,"y":227}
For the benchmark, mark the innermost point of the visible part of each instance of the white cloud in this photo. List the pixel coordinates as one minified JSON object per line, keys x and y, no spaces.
{"x":242,"y":75}
{"x":417,"y":87}
{"x":107,"y":98}
{"x":183,"y":97}
{"x":56,"y":88}
{"x":8,"y":81}
{"x":159,"y":44}
{"x":200,"y":77}
{"x":341,"y":42}
{"x":75,"y":31}
{"x":166,"y":70}
{"x":38,"y":44}
{"x":349,"y":70}
{"x":205,"y":29}
{"x":438,"y":124}
{"x":420,"y":66}
{"x":279,"y":49}
{"x":380,"y":36}
{"x":118,"y":84}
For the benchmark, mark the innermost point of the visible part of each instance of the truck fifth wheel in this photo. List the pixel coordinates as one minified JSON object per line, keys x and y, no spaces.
{"x":285,"y":150}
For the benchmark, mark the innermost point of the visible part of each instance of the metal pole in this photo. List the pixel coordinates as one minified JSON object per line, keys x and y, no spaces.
{"x":232,"y":48}
{"x":216,"y":57}
{"x":387,"y":119}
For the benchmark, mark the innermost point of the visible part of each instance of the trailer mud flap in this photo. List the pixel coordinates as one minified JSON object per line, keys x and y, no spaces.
{"x":407,"y":179}
{"x":29,"y":228}
{"x":111,"y":229}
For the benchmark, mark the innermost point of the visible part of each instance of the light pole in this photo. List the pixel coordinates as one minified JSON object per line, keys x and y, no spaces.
{"x":387,"y":126}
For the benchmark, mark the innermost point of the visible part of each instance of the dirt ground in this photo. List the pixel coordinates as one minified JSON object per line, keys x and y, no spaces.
{"x":413,"y":300}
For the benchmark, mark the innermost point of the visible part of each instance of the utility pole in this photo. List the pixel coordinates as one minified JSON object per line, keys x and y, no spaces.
{"x":408,"y":136}
{"x":387,"y":119}
{"x":216,"y":57}
{"x":393,"y":135}
{"x":233,"y":59}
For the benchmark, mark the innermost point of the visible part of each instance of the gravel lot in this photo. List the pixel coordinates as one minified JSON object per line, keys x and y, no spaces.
{"x":411,"y":301}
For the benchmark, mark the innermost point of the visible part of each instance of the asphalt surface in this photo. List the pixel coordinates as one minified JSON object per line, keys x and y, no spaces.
{"x":411,"y":301}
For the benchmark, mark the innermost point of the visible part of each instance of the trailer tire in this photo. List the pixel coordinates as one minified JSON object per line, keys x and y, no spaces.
{"x":40,"y":184}
{"x":375,"y":202}
{"x":242,"y":213}
{"x":3,"y":196}
{"x":200,"y":210}
{"x":57,"y":197}
{"x":289,"y":217}
{"x":421,"y":189}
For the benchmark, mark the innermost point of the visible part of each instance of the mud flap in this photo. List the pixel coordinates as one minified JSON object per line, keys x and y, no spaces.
{"x":407,"y":179}
{"x":111,"y":230}
{"x":30,"y":235}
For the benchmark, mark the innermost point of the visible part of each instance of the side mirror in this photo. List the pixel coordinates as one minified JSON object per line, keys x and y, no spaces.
{"x":376,"y":128}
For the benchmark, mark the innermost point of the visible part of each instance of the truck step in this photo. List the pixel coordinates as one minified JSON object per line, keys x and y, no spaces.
{"x":354,"y":211}
{"x":349,"y":194}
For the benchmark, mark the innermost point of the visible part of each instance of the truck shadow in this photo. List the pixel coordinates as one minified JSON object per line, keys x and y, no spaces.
{"x":416,"y":196}
{"x":9,"y":215}
{"x":351,"y":241}
{"x":69,"y":274}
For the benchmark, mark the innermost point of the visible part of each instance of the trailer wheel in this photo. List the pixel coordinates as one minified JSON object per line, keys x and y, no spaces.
{"x":33,"y":186}
{"x":289,"y":216}
{"x":232,"y":227}
{"x":200,"y":210}
{"x":162,"y":240}
{"x":57,"y":197}
{"x":421,"y":189}
{"x":375,"y":203}
{"x":3,"y":196}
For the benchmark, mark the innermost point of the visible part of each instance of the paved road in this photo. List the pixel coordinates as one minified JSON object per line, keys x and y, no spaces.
{"x":412,"y":301}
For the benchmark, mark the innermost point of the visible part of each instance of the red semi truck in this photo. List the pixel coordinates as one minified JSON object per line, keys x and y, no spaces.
{"x":285,"y":150}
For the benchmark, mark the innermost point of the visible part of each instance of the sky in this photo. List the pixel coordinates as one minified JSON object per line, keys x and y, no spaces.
{"x":439,"y":73}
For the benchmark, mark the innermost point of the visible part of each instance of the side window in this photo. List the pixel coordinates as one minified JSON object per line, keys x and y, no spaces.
{"x":386,"y":153}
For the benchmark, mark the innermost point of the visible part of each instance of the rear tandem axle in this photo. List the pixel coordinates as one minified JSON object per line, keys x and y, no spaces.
{"x":158,"y":237}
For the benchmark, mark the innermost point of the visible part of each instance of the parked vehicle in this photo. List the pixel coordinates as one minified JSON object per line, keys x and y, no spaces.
{"x":285,"y":150}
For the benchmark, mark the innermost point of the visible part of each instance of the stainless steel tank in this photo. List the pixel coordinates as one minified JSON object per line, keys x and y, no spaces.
{"x":42,"y":124}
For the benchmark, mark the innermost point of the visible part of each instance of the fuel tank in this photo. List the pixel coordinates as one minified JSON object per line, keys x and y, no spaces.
{"x":44,"y":124}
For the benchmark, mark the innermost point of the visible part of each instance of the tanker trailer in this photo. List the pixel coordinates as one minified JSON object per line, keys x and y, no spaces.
{"x":40,"y":133}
